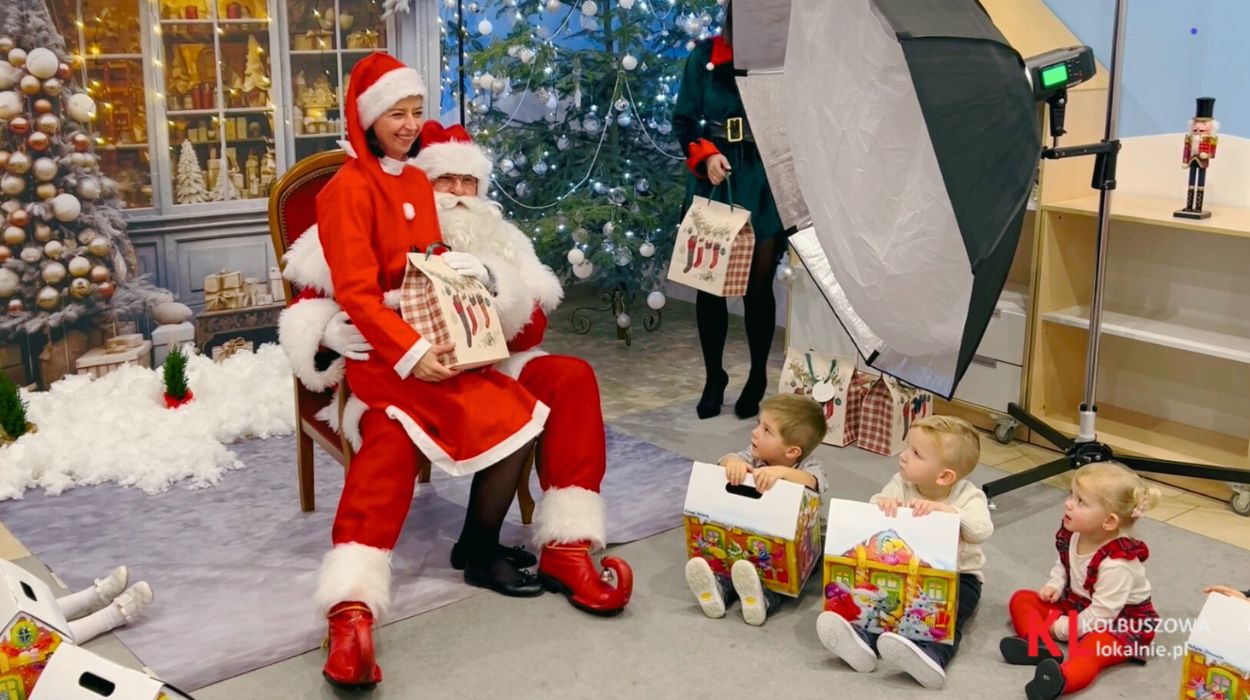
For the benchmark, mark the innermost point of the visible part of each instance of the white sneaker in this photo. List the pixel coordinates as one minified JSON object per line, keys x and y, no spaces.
{"x":133,"y":600}
{"x":904,"y":653}
{"x":750,"y":591}
{"x":702,"y":582}
{"x":841,"y":639}
{"x":111,"y":586}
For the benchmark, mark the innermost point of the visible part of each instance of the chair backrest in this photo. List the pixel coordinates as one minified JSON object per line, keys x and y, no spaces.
{"x":293,"y":201}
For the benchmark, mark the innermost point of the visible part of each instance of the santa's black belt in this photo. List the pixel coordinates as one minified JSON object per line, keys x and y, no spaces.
{"x":732,"y":130}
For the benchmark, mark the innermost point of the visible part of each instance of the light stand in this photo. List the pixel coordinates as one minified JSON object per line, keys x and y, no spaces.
{"x":1085,"y":447}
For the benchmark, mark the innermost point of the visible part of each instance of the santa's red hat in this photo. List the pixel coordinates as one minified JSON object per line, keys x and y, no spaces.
{"x":378,"y":82}
{"x":451,"y":151}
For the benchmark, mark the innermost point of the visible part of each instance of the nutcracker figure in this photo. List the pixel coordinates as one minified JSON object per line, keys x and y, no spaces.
{"x":1200,"y":145}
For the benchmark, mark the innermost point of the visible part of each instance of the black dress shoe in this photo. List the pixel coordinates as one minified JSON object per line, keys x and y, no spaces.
{"x":1047,"y":683}
{"x":748,"y":404}
{"x":1015,"y":651}
{"x":518,"y":556}
{"x":502,"y":577}
{"x":713,"y":396}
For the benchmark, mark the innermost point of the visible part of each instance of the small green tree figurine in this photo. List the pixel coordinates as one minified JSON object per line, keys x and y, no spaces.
{"x":176,"y":391}
{"x":13,"y":423}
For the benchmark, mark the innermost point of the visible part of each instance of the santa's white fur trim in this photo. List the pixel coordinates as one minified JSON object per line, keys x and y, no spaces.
{"x":393,"y":86}
{"x":438,"y":456}
{"x":305,"y":263}
{"x":353,"y":571}
{"x":516,"y":362}
{"x":455,"y":158}
{"x":353,"y":411}
{"x":521,"y":279}
{"x":568,"y":515}
{"x":391,"y":298}
{"x":301,"y":327}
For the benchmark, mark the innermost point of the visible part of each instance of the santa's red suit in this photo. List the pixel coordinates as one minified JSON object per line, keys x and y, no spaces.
{"x":569,"y":519}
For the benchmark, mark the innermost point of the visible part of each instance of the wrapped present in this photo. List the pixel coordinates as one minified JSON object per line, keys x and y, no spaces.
{"x":447,"y":307}
{"x":778,"y":531}
{"x":165,"y":337}
{"x":100,"y":361}
{"x":893,"y":574}
{"x":1217,"y":658}
{"x":230,"y":348}
{"x":833,"y":382}
{"x":60,"y":358}
{"x":74,"y":673}
{"x":889,"y":408}
{"x":276,"y":290}
{"x":713,"y":249}
{"x":223,"y":290}
{"x":362,"y":39}
{"x":33,"y":629}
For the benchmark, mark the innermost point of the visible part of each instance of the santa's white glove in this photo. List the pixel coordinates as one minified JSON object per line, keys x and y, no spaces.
{"x":343,"y":337}
{"x":467,"y":264}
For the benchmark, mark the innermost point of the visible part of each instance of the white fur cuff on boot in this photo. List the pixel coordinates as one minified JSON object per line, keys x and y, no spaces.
{"x":354,"y":571}
{"x":569,"y":515}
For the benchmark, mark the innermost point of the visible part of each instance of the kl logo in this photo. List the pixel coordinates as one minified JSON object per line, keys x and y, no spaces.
{"x":1039,"y":635}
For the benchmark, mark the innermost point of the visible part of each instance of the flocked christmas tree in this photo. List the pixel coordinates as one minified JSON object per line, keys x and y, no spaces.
{"x":255,"y":82}
{"x":575,"y":102}
{"x":65,"y":257}
{"x":190,"y":180}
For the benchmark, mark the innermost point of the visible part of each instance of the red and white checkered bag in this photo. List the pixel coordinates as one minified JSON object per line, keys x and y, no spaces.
{"x":833,"y":382}
{"x":447,"y":307}
{"x":713,"y":249}
{"x":889,"y":408}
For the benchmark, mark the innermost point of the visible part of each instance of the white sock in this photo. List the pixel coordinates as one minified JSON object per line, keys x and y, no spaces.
{"x":96,"y":624}
{"x":75,"y":605}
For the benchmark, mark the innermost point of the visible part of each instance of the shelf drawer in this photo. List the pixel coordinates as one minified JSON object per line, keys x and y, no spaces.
{"x":1004,"y":336}
{"x":990,"y":383}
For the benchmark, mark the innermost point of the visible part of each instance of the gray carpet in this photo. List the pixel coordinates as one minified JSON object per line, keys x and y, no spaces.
{"x":234,"y":566}
{"x":663,"y":647}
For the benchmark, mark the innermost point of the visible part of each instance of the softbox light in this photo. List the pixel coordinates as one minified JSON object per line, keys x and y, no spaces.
{"x":900,"y":139}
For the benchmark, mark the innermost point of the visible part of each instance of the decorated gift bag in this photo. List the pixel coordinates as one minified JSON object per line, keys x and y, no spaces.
{"x":713,"y":249}
{"x":834,"y":383}
{"x":889,"y":408}
{"x":447,"y":307}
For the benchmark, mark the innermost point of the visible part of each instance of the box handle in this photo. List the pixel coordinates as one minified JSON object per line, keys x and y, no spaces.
{"x":96,"y":684}
{"x":744,"y":491}
{"x":985,"y":361}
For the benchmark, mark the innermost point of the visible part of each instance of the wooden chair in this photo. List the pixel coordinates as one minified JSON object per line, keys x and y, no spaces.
{"x":292,"y":210}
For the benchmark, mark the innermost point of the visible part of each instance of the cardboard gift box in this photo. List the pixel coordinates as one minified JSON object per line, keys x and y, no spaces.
{"x":889,"y":408}
{"x":229,"y":348}
{"x":100,"y":361}
{"x":33,"y":630}
{"x":778,"y":531}
{"x":713,"y":249}
{"x":165,"y":337}
{"x":447,"y":307}
{"x":223,"y":290}
{"x":897,"y":574}
{"x":834,"y":383}
{"x":1217,"y":656}
{"x":77,"y":674}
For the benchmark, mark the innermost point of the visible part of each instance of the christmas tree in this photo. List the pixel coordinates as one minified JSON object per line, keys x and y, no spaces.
{"x":65,"y":257}
{"x":175,"y":375}
{"x":225,"y":190}
{"x":191,"y":187}
{"x":12,"y":411}
{"x":255,"y":81}
{"x":575,"y":101}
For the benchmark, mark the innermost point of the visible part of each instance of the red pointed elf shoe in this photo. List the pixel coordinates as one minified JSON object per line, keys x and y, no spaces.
{"x":568,"y":569}
{"x":350,"y":661}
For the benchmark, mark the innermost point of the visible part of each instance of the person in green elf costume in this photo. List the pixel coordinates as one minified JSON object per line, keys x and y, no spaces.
{"x":710,"y":123}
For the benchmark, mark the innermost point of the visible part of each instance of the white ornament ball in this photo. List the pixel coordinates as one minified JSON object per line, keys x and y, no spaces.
{"x":786,"y":274}
{"x":12,"y":185}
{"x":590,"y":8}
{"x":10,"y":283}
{"x":42,"y":63}
{"x":584,"y":270}
{"x":54,"y":249}
{"x":80,"y":108}
{"x":485,"y":27}
{"x":66,"y":207}
{"x":647,"y":249}
{"x":576,"y":256}
{"x":45,"y":169}
{"x":486,"y":81}
{"x":53,"y":273}
{"x":89,"y":188}
{"x":553,"y":5}
{"x":656,"y":300}
{"x":629,"y":62}
{"x":608,"y":229}
{"x":627,"y":4}
{"x":527,"y":56}
{"x":31,"y":255}
{"x":80,"y":266}
{"x":9,"y":75}
{"x":48,"y":299}
{"x":11,"y":104}
{"x":17,"y":57}
{"x":622,"y":320}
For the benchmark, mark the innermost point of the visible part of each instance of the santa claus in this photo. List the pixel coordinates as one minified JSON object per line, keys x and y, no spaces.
{"x":569,"y":520}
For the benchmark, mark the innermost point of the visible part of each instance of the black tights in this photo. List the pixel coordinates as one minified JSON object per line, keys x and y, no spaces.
{"x":489,"y":500}
{"x":760,"y":319}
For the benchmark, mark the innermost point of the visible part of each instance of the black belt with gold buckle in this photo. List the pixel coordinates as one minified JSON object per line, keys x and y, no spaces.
{"x":732,"y":130}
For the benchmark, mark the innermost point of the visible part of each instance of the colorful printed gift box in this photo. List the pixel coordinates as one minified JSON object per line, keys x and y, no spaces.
{"x":777,"y":531}
{"x":32,"y":628}
{"x":1217,"y":656}
{"x":897,"y":574}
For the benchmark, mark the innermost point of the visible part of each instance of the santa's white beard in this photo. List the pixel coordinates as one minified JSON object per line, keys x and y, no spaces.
{"x":474,"y":225}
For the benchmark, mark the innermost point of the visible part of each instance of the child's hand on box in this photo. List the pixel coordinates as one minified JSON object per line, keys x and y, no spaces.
{"x":736,"y":470}
{"x":765,"y":477}
{"x":921,"y":507}
{"x":889,"y":506}
{"x":1225,"y":590}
